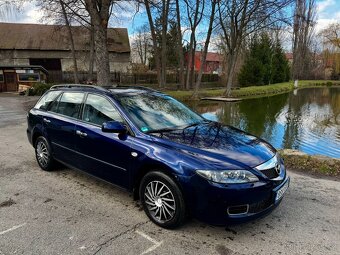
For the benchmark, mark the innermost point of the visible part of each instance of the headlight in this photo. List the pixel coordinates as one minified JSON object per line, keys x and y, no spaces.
{"x":228,"y":176}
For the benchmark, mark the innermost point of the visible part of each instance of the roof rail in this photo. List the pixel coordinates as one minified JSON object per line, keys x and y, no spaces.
{"x":135,"y":87}
{"x":77,"y":86}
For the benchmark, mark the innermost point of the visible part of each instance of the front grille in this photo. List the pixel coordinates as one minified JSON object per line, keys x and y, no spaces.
{"x":270,"y":173}
{"x":260,"y":206}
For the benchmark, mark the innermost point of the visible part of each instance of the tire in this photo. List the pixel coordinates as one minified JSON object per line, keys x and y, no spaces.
{"x":162,"y":200}
{"x":43,"y":154}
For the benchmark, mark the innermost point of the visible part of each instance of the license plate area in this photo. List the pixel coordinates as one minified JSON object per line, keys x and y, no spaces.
{"x":281,"y":191}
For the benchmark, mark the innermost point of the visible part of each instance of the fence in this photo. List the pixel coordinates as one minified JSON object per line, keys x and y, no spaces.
{"x":148,"y":79}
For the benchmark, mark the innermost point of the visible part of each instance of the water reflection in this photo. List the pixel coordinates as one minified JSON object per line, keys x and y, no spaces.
{"x":306,"y":119}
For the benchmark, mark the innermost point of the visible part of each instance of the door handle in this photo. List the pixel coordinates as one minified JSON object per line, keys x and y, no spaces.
{"x":81,"y":134}
{"x":46,"y":120}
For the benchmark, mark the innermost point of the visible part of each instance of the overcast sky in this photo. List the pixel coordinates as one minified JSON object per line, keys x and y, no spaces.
{"x":328,"y":12}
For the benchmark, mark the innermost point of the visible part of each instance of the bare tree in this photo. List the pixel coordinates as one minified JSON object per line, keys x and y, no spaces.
{"x":155,"y":46}
{"x":194,"y":11}
{"x":69,"y":30}
{"x":8,"y":7}
{"x":142,"y":43}
{"x":304,"y":21}
{"x":206,"y":46}
{"x":160,"y":10}
{"x":331,"y":35}
{"x":165,"y":15}
{"x":241,"y":18}
{"x":180,"y":51}
{"x":68,"y":12}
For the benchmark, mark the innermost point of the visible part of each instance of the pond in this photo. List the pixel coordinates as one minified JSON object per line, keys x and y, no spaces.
{"x":306,"y":119}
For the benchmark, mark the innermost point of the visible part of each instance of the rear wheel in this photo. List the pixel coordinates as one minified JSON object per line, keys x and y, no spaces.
{"x":43,"y":154}
{"x":162,"y":200}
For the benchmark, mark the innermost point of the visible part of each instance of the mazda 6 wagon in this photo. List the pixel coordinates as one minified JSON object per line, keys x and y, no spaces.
{"x":171,"y":158}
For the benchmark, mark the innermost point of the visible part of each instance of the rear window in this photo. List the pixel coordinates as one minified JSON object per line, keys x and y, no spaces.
{"x":45,"y":102}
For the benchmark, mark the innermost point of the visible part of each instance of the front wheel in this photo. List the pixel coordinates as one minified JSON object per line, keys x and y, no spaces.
{"x":43,"y":154}
{"x":162,"y":200}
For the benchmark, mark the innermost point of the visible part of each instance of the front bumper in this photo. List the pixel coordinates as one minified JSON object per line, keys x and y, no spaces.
{"x":220,"y":204}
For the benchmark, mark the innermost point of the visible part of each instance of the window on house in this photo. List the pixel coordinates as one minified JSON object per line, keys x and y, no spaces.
{"x":30,"y":77}
{"x":1,"y":77}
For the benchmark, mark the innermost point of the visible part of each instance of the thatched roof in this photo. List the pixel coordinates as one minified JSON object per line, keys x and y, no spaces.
{"x":53,"y":37}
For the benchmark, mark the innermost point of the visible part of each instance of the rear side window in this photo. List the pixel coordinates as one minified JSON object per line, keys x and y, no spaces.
{"x":99,"y":110}
{"x":45,"y":102}
{"x":70,"y":104}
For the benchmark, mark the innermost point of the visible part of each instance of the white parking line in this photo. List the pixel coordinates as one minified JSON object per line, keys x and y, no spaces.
{"x":152,"y":248}
{"x":12,"y":228}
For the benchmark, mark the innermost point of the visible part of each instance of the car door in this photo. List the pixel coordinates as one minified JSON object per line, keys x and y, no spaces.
{"x":105,"y":155}
{"x":59,"y":122}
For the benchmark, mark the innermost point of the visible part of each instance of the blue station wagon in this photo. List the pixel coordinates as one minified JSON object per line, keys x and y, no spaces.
{"x":171,"y":158}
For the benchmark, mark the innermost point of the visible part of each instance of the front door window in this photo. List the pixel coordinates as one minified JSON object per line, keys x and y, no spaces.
{"x":98,"y":110}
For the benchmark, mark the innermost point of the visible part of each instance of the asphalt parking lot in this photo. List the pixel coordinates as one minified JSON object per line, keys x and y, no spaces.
{"x":67,"y":212}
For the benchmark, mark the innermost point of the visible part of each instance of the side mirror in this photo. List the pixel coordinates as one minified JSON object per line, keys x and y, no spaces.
{"x":114,"y":127}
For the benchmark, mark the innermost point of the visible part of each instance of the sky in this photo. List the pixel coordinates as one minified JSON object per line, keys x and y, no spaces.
{"x":328,"y":11}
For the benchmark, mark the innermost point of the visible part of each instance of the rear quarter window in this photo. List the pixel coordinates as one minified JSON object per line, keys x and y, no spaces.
{"x":46,"y":100}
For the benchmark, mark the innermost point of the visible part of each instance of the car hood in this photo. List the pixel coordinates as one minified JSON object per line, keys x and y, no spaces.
{"x":218,"y":145}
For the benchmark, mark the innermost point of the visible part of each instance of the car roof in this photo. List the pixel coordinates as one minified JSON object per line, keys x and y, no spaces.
{"x":113,"y":90}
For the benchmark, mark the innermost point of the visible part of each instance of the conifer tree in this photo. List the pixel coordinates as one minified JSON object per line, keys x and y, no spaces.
{"x":265,"y":63}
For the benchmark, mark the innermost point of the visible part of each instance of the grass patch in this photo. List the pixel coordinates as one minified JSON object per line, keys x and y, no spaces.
{"x":252,"y":91}
{"x":320,"y":165}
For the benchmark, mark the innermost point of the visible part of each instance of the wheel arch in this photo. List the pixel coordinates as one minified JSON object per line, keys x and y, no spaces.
{"x":35,"y":136}
{"x":147,"y":168}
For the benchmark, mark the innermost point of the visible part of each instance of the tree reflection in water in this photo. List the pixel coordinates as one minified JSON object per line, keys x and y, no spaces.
{"x":307,"y":121}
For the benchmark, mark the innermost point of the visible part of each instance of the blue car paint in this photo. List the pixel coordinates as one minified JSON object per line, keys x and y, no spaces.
{"x":209,"y":146}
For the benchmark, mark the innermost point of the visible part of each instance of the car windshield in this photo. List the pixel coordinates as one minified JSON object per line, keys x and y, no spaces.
{"x":153,"y":112}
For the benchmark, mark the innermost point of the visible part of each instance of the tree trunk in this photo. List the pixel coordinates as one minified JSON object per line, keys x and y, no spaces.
{"x":193,"y":56}
{"x":102,"y":56}
{"x":154,"y":42}
{"x":73,"y":51}
{"x":180,"y":51}
{"x":189,"y":60}
{"x":92,"y":55}
{"x":165,"y":13}
{"x":100,"y":13}
{"x":232,"y":58}
{"x":192,"y":45}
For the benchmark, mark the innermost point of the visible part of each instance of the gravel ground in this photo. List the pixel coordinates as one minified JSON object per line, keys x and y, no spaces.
{"x":68,"y":212}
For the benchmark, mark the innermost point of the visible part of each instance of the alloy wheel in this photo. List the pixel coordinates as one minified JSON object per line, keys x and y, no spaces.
{"x":42,"y":154}
{"x":160,"y":201}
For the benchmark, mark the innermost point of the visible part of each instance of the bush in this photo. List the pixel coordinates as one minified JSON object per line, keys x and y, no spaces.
{"x":329,"y":83}
{"x":38,"y":89}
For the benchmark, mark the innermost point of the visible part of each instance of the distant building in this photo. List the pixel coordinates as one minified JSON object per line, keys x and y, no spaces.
{"x":213,"y":62}
{"x":289,"y":57}
{"x":32,"y":53}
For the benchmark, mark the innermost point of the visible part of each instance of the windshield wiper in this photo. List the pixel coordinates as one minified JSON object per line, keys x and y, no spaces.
{"x":163,"y":130}
{"x":193,"y":125}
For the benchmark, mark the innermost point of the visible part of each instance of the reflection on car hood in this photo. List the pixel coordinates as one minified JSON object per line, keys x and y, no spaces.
{"x":219,"y":145}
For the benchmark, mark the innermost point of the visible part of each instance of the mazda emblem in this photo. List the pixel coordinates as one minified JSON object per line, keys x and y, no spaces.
{"x":277,"y":168}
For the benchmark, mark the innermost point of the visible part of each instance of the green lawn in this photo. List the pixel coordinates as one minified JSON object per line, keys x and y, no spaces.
{"x":253,"y":91}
